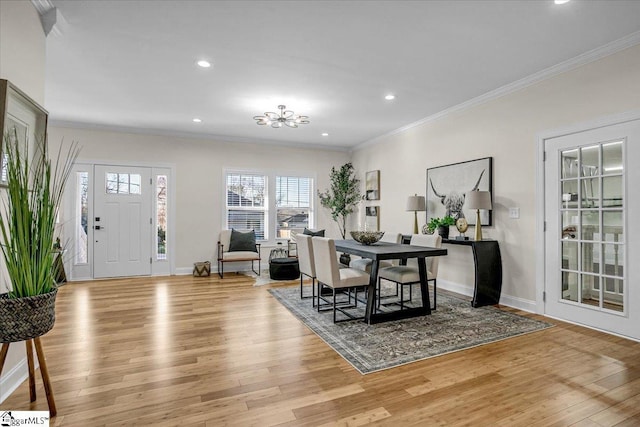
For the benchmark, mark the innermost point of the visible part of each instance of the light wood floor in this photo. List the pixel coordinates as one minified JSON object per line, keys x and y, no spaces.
{"x":201,"y":351}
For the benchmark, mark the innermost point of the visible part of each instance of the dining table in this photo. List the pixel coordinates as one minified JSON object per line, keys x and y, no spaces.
{"x":391,"y":251}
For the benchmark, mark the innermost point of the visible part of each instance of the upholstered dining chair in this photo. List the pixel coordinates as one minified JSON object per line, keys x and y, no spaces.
{"x":307,"y":264}
{"x":364,"y":264}
{"x":408,"y":275}
{"x":330,"y":275}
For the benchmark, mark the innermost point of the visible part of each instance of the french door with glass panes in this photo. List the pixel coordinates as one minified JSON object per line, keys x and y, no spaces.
{"x":592,"y":245}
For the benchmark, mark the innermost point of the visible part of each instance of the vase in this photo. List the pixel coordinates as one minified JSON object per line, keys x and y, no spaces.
{"x":444,"y":231}
{"x":345,"y":259}
{"x":26,"y":318}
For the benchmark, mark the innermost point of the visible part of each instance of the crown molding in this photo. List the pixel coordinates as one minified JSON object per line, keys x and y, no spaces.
{"x":578,"y":61}
{"x":208,"y":137}
{"x":42,"y":6}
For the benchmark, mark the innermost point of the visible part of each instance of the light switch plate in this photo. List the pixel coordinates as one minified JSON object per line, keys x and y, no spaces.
{"x":514,"y":213}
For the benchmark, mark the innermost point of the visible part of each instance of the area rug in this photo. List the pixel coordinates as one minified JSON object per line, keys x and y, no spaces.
{"x":454,"y":326}
{"x":264,"y":279}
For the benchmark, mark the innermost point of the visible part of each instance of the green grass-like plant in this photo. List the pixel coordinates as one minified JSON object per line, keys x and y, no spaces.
{"x":33,"y":196}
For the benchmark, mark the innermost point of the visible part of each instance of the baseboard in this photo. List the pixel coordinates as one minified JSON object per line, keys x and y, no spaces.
{"x":455,"y":287}
{"x":13,"y":378}
{"x":519,"y":303}
{"x":184,"y":271}
{"x":229,"y":268}
{"x":508,"y":300}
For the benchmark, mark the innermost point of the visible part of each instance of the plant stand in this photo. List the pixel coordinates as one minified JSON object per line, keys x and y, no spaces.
{"x":32,"y":377}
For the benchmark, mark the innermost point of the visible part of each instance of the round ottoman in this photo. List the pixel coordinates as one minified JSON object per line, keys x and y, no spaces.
{"x":284,"y":269}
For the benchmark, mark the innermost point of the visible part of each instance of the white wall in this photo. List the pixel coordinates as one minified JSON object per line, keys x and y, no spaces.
{"x":506,"y":129}
{"x":199,"y":165}
{"x":22,"y":62}
{"x":22,"y":48}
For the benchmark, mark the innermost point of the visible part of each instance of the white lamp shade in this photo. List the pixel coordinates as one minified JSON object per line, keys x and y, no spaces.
{"x":478,"y":200}
{"x":416,"y":203}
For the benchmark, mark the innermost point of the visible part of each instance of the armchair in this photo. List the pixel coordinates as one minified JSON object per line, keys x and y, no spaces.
{"x":238,"y":246}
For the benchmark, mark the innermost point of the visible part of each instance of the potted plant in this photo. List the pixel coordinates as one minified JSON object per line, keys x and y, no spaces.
{"x":442,"y":224}
{"x":27,"y":225}
{"x":342,"y":198}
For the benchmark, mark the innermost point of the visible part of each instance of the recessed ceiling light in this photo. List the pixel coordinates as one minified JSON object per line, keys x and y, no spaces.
{"x":197,"y":120}
{"x":325,"y":134}
{"x":204,"y":64}
{"x":561,"y":1}
{"x":390,"y":97}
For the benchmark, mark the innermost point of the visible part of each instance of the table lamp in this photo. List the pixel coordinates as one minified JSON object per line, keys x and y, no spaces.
{"x":416,"y":203}
{"x":478,"y":200}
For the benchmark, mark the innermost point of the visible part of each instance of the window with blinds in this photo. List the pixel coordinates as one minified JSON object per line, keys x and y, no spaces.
{"x":246,"y":197}
{"x":293,"y":204}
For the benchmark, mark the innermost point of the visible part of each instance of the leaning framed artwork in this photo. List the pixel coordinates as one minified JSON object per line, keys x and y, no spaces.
{"x":447,"y":186}
{"x":21,"y":118}
{"x":372,"y":218}
{"x":372,"y":185}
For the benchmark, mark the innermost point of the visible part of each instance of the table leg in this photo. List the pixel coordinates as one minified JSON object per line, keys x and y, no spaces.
{"x":45,"y":377}
{"x":32,"y":375}
{"x":424,"y":286}
{"x":371,"y":293}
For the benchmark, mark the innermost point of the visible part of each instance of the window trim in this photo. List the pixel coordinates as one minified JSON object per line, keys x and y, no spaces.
{"x":270,"y":200}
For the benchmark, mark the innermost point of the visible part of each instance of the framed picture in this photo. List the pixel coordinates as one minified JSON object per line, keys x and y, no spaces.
{"x":447,"y":186}
{"x":372,"y":185}
{"x":21,"y":118}
{"x":372,"y":218}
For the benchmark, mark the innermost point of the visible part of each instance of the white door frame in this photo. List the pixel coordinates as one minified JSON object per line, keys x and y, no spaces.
{"x":540,"y":188}
{"x":68,"y":211}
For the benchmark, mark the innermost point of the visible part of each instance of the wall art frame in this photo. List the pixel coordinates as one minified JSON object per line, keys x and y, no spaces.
{"x":448,"y":184}
{"x":372,"y":185}
{"x":24,"y":118}
{"x":372,"y":218}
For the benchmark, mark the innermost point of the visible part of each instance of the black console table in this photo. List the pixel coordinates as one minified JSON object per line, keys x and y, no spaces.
{"x":488,"y":266}
{"x":488,"y":269}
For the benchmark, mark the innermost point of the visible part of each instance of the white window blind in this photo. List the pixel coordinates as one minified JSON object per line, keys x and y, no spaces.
{"x":293,"y":204}
{"x":246,"y":199}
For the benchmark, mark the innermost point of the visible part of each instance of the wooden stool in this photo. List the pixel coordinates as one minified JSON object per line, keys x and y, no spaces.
{"x":32,"y":377}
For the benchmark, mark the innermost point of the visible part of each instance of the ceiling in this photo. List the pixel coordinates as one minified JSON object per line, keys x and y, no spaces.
{"x":132,"y":64}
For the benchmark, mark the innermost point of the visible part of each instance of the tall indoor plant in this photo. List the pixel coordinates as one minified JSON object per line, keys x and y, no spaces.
{"x":27,"y":226}
{"x":343,"y":196}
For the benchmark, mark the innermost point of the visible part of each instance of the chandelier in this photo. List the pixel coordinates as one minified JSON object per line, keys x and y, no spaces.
{"x":284,"y":117}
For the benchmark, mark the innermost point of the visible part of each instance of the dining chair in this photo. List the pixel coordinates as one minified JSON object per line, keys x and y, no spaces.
{"x":408,"y":275}
{"x":307,"y":265}
{"x":329,"y":274}
{"x":364,"y":264}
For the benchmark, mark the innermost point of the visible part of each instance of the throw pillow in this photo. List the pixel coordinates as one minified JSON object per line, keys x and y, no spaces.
{"x":318,"y":233}
{"x":242,"y":241}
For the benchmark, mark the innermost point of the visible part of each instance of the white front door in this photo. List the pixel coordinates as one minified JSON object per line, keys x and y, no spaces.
{"x":122,"y":219}
{"x":592,"y":238}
